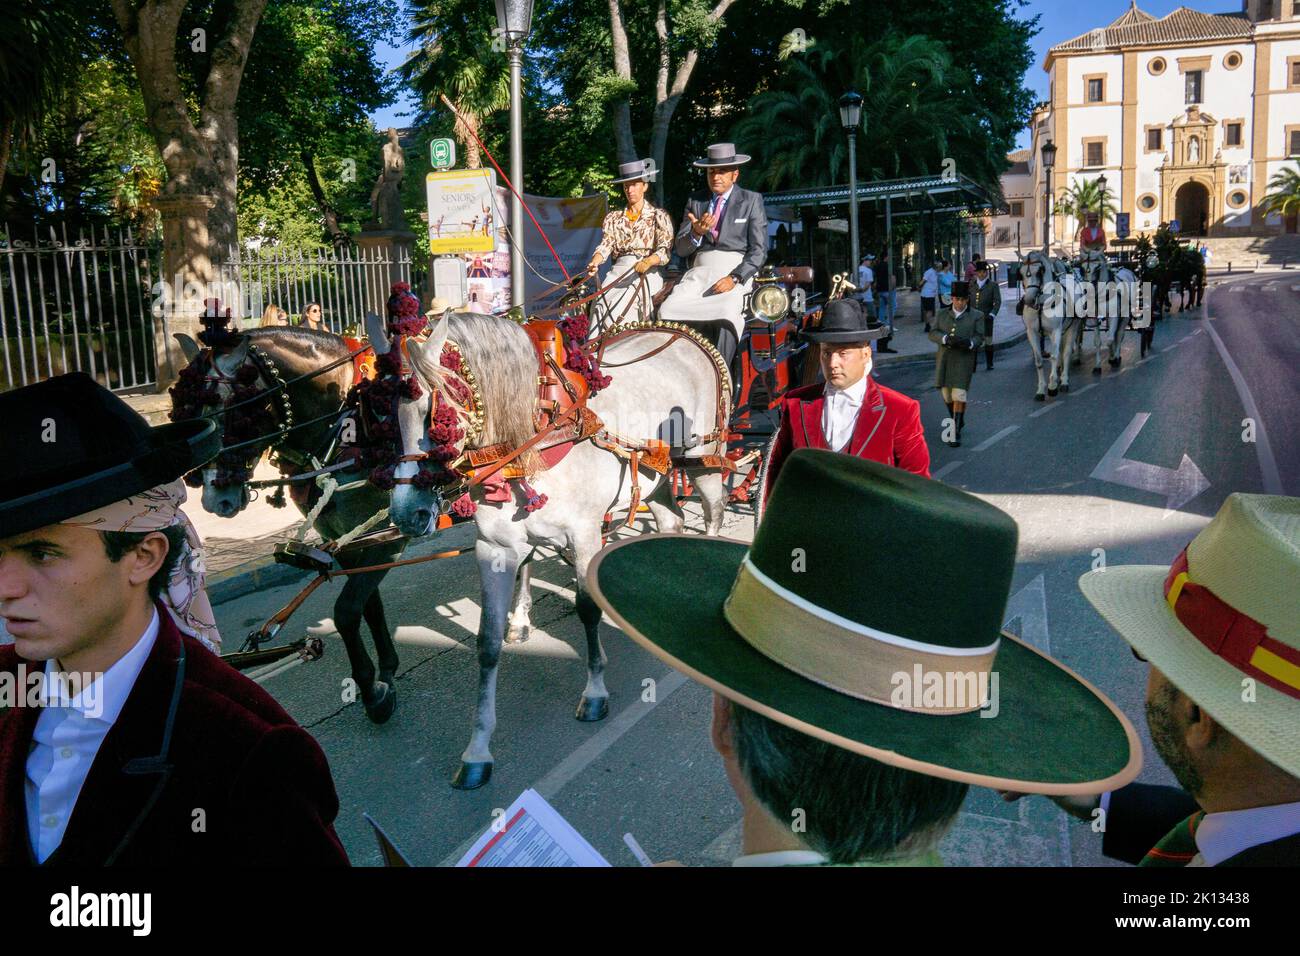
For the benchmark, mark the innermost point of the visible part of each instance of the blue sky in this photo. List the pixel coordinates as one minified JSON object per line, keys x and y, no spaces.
{"x":1061,"y":20}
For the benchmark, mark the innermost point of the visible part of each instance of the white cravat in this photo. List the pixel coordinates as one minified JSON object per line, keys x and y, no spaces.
{"x":66,"y":740}
{"x":840,"y":411}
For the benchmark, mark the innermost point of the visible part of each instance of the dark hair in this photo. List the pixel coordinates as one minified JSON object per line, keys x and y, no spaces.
{"x":854,"y":808}
{"x":118,"y":543}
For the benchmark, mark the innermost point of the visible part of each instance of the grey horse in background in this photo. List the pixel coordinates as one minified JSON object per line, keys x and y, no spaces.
{"x":672,"y":394}
{"x":1048,"y":291}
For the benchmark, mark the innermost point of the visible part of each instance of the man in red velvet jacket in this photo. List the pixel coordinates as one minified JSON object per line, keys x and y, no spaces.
{"x":849,"y":412}
{"x":123,"y":738}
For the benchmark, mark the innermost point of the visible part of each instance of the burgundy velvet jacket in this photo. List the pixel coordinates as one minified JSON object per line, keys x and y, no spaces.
{"x":260,"y":781}
{"x":888,"y":429}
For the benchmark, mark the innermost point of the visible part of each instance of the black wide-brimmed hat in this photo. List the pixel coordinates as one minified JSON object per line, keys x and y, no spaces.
{"x":722,"y":154}
{"x":78,"y":447}
{"x":843,"y":322}
{"x":785,"y":628}
{"x":960,"y":289}
{"x":639,"y":170}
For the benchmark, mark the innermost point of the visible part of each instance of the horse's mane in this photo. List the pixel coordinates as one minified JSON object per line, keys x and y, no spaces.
{"x":503,"y":360}
{"x":302,"y":336}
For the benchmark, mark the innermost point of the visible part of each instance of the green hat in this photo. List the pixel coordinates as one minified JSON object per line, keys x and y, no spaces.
{"x":789,"y":628}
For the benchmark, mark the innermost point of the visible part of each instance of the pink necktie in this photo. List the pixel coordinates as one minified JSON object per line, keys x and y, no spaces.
{"x":718,"y":203}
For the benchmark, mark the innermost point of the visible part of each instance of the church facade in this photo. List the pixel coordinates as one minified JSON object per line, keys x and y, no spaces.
{"x":1187,"y":117}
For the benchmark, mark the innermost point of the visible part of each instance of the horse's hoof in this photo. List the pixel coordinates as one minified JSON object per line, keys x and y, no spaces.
{"x":591,"y":709}
{"x":471,"y":776}
{"x":383,"y":706}
{"x":1065,"y":388}
{"x":1051,"y":391}
{"x":1096,"y":371}
{"x":1114,"y":363}
{"x":518,"y":635}
{"x":1040,"y":397}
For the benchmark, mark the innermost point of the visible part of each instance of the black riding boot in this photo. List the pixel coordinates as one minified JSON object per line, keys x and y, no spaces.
{"x":988,"y":359}
{"x":961,"y":423}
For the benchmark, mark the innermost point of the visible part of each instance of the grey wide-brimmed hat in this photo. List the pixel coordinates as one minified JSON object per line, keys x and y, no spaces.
{"x":722,"y":154}
{"x":642,"y":170}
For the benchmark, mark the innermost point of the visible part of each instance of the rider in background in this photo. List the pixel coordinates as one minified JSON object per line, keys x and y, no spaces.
{"x":724,"y":230}
{"x":637,"y":240}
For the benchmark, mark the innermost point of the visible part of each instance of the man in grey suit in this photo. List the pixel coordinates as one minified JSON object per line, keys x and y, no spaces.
{"x":724,"y":231}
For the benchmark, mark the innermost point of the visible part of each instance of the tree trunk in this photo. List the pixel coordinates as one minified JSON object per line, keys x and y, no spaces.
{"x":338,"y":236}
{"x":466,"y":130}
{"x":623,"y":140}
{"x":198,"y":203}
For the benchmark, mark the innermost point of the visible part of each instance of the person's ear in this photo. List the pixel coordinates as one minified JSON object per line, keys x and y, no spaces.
{"x":144,"y":560}
{"x":720,"y":732}
{"x":1202,"y":730}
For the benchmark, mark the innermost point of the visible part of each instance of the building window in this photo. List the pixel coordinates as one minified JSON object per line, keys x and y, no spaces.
{"x":1237,"y":199}
{"x":1147,"y":202}
{"x":1293,"y":140}
{"x":1155,"y":139}
{"x":1094,"y":152}
{"x":1017,"y":210}
{"x":1096,"y":89}
{"x":1194,"y":86}
{"x":1232,"y":60}
{"x":1293,"y":73}
{"x":1232,"y":134}
{"x":1156,"y":66}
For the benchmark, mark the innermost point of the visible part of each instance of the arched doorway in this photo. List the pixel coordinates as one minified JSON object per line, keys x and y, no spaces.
{"x":1192,"y":209}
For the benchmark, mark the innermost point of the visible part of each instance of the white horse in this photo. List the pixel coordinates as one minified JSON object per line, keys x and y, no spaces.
{"x":1106,"y":308}
{"x":672,"y":395}
{"x":1048,"y":291}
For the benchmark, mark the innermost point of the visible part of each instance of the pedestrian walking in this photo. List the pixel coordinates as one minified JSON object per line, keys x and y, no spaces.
{"x":930,"y":292}
{"x":986,"y":297}
{"x":886,"y":299}
{"x":970,"y":268}
{"x":946,"y":279}
{"x":959,"y":333}
{"x":866,"y":281}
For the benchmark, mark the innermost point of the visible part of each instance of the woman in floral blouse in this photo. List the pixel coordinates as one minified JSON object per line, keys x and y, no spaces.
{"x":637,"y":240}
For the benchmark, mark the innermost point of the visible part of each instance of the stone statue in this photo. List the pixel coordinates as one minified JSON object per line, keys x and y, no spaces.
{"x":1194,"y":150}
{"x":386,"y":198}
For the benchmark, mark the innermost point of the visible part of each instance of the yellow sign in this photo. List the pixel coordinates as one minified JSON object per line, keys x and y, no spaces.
{"x":463,"y":213}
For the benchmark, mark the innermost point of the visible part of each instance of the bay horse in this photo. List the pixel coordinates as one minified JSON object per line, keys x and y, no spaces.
{"x":259,"y":357}
{"x":665,"y":386}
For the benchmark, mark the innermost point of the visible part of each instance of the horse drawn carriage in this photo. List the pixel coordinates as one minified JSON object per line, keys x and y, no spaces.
{"x":535,"y":432}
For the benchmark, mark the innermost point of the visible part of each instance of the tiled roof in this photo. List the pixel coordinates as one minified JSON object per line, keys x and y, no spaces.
{"x":1136,"y":27}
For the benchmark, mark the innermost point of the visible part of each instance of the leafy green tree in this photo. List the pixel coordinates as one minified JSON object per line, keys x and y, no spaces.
{"x":909,"y":124}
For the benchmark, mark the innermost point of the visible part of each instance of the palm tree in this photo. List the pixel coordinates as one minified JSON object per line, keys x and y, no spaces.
{"x":39,"y":50}
{"x":1283,"y":195}
{"x":1084,"y":196}
{"x":454,"y":57}
{"x":910,"y":119}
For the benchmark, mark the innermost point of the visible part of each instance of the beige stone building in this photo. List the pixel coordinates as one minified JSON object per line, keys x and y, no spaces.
{"x":1187,"y":116}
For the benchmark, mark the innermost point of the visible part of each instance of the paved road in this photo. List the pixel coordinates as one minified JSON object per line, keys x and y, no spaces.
{"x":649,"y":768}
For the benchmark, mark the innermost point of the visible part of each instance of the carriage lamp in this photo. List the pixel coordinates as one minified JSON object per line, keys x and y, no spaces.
{"x":769,"y":302}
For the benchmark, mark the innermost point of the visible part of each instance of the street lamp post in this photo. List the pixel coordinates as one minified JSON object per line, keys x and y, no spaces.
{"x":1049,"y":160}
{"x":850,"y":119}
{"x":1101,"y":199}
{"x":515,"y":18}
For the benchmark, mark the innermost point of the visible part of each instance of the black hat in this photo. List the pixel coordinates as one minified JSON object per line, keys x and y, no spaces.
{"x":982,"y":266}
{"x":843,"y":322}
{"x":960,"y":289}
{"x":84,"y":448}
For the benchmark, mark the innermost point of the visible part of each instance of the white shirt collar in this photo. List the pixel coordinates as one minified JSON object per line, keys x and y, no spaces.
{"x":104,"y":698}
{"x":726,"y":197}
{"x":853,"y":394}
{"x":781,"y":858}
{"x":1223,"y":835}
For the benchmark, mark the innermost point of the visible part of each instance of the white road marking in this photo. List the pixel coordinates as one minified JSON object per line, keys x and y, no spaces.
{"x":1271,"y":287}
{"x":993,"y":440}
{"x":1046,"y":408}
{"x":947,"y":469}
{"x":1179,"y":485}
{"x":1084,"y":389}
{"x":1263,"y":450}
{"x":581,"y":758}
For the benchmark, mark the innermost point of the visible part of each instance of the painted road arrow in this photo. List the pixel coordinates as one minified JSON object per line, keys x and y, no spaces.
{"x":1179,"y":485}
